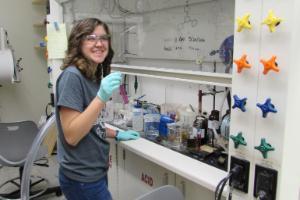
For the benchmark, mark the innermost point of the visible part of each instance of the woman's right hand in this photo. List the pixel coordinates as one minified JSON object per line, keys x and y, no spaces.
{"x":108,"y":85}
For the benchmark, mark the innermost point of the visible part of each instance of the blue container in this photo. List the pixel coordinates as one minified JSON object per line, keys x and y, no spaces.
{"x":163,"y":129}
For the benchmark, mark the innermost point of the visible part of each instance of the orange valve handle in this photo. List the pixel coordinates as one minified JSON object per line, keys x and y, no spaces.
{"x":270,"y":64}
{"x":242,"y":63}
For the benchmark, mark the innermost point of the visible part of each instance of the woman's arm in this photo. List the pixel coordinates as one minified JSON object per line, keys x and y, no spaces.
{"x":75,"y":124}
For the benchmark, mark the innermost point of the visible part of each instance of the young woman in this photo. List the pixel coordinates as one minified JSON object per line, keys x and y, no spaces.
{"x":81,"y":93}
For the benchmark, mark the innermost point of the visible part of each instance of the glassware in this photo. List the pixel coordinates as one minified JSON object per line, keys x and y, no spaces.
{"x":185,"y":132}
{"x":174,"y":137}
{"x":151,"y":125}
{"x":137,"y":119}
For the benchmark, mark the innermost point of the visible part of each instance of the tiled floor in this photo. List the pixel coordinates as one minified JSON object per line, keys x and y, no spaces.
{"x":51,"y":173}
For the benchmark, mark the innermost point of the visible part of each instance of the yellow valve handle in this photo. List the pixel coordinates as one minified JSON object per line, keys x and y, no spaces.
{"x":243,"y":22}
{"x":272,"y":21}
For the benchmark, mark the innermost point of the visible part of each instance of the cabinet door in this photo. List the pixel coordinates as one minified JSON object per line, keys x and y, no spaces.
{"x":193,"y":191}
{"x":138,"y":176}
{"x":112,"y":172}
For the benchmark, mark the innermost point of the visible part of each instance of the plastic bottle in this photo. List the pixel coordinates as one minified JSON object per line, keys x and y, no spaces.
{"x":213,"y":124}
{"x":137,"y":119}
{"x":200,"y":128}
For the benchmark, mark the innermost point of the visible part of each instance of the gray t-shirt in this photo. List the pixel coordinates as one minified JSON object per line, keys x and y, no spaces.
{"x":88,"y":161}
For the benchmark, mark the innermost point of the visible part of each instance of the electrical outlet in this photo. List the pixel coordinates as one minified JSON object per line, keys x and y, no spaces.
{"x":265,"y":183}
{"x":240,"y":181}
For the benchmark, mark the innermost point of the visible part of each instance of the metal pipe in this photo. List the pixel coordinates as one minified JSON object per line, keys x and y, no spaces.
{"x":32,"y":156}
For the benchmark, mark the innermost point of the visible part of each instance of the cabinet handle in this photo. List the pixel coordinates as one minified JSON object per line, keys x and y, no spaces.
{"x":124,"y":154}
{"x":183,"y":187}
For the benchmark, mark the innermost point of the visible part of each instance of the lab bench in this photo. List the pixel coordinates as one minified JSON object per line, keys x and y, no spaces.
{"x":138,"y":166}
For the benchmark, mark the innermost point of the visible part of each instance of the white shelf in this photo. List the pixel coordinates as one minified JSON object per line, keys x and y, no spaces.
{"x":217,"y":79}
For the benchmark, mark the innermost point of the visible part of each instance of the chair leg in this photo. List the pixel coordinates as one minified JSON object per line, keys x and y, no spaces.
{"x":15,"y":194}
{"x":34,"y":190}
{"x":55,"y":190}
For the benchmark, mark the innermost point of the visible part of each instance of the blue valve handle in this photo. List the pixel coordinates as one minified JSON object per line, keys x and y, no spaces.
{"x":239,"y":103}
{"x":266,"y":107}
{"x":49,"y":70}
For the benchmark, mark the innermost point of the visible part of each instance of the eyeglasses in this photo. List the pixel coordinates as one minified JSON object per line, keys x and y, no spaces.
{"x":95,"y":38}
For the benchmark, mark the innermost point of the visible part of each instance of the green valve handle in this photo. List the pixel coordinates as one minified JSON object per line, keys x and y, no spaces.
{"x":50,"y":85}
{"x":238,"y":139}
{"x":264,"y":148}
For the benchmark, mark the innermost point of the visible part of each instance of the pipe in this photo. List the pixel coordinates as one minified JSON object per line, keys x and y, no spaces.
{"x":31,"y":157}
{"x":222,"y":104}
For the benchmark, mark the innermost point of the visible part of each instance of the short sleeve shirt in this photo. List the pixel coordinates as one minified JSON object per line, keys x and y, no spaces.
{"x":88,"y":160}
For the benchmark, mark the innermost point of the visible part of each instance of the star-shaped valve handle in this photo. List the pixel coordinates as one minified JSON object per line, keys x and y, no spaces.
{"x":270,"y":64}
{"x":238,"y":140}
{"x":264,"y":148}
{"x":242,"y":63}
{"x":239,"y":103}
{"x":272,"y":21}
{"x":243,"y":22}
{"x":267,"y":107}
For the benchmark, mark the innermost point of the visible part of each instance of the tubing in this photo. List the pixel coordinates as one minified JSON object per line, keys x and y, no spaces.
{"x":32,"y":155}
{"x":222,"y":104}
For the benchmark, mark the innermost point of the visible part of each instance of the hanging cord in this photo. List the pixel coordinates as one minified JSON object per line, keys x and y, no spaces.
{"x":136,"y":84}
{"x":221,"y":185}
{"x":48,"y":114}
{"x":125,"y":84}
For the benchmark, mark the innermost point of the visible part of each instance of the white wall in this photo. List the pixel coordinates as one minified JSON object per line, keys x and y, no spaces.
{"x":25,"y":100}
{"x":221,"y":18}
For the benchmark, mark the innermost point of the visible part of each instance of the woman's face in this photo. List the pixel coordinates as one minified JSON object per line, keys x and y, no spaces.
{"x":95,"y":46}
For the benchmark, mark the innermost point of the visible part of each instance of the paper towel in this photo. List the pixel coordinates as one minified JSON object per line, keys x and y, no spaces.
{"x":7,"y":67}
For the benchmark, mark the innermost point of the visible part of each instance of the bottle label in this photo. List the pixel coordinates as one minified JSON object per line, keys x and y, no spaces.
{"x":213,"y":124}
{"x":199,"y":132}
{"x":202,"y":132}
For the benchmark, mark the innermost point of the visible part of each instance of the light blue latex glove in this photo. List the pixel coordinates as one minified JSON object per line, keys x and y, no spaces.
{"x":127,"y":135}
{"x":108,"y":84}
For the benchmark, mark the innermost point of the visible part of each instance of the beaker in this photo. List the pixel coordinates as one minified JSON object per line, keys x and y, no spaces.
{"x":151,"y":125}
{"x":185,"y":132}
{"x":174,"y":138}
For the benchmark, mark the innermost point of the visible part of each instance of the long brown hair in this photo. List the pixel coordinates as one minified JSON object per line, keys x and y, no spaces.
{"x":74,"y":55}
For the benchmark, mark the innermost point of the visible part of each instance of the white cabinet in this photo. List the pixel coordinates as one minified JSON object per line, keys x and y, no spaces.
{"x":193,"y":191}
{"x":138,"y":176}
{"x":139,"y":166}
